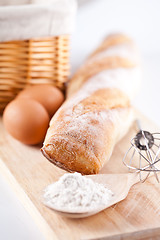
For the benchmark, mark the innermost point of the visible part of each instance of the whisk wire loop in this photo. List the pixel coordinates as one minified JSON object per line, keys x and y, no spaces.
{"x":145,"y":147}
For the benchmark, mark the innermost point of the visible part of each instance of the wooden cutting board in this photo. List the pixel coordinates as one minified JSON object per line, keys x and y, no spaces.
{"x":28,"y":172}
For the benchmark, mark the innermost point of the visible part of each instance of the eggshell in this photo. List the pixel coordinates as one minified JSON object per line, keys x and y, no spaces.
{"x":26,"y":120}
{"x":50,"y":97}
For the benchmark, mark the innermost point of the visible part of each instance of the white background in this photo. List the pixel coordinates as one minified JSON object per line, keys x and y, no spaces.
{"x":96,"y":18}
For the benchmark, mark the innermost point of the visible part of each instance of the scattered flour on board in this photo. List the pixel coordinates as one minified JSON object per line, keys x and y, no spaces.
{"x":76,"y":192}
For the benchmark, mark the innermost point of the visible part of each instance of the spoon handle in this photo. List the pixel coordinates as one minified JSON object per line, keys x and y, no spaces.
{"x":135,"y":178}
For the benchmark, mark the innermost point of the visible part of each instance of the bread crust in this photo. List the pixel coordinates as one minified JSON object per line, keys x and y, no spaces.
{"x":84,"y":131}
{"x":92,"y":68}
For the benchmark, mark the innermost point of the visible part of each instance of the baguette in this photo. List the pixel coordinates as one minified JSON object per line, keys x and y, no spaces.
{"x":98,"y":111}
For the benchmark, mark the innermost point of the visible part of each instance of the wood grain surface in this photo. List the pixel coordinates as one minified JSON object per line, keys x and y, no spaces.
{"x":28,"y":173}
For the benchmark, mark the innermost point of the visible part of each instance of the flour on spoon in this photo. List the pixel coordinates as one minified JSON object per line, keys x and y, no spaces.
{"x":74,"y":192}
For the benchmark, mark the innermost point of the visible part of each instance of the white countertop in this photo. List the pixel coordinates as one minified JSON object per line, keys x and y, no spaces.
{"x":95,"y":19}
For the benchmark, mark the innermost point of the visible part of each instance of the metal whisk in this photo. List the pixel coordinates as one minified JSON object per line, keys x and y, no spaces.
{"x":144,"y":153}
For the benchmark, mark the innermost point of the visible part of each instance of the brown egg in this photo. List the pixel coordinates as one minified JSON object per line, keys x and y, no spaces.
{"x":50,"y":97}
{"x":26,"y":120}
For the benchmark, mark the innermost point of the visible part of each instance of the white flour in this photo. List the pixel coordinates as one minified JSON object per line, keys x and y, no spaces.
{"x":76,"y":192}
{"x":124,"y":50}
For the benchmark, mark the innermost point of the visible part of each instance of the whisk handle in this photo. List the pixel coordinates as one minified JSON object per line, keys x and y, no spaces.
{"x":138,"y":123}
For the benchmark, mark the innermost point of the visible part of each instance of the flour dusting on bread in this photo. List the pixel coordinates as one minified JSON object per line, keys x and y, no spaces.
{"x":98,"y":111}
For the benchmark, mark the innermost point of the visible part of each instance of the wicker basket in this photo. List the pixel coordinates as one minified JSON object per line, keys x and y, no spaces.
{"x":38,"y":61}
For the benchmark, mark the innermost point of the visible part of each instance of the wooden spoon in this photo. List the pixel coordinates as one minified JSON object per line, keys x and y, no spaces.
{"x":119,"y":184}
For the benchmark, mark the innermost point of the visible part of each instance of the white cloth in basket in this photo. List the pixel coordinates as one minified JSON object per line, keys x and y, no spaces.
{"x":27,"y":19}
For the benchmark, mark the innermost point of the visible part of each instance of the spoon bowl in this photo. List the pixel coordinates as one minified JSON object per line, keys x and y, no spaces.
{"x":119,"y":184}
